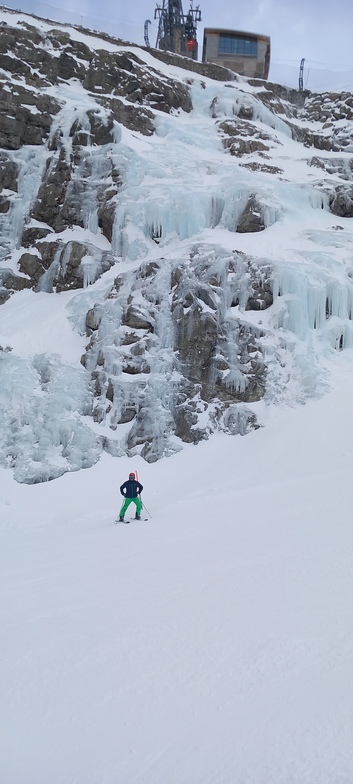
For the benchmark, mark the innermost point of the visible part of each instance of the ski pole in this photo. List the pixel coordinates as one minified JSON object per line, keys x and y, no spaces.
{"x":145,"y":507}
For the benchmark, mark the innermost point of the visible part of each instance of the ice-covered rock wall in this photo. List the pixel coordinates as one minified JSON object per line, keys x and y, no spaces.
{"x":191,"y":227}
{"x":167,"y":355}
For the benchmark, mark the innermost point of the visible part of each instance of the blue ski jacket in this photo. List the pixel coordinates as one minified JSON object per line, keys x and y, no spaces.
{"x":131,"y":488}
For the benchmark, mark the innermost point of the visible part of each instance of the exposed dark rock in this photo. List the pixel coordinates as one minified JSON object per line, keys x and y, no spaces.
{"x":48,"y":251}
{"x":341,"y":201}
{"x":134,"y":368}
{"x":52,"y":193}
{"x":4,"y":205}
{"x":64,"y":266}
{"x":140,"y":119}
{"x":185,"y":420}
{"x":9,"y":280}
{"x":13,"y":65}
{"x":71,"y":273}
{"x":243,"y":138}
{"x":4,"y":295}
{"x":125,"y":75}
{"x":92,"y":320}
{"x":110,"y":391}
{"x":262,"y":167}
{"x":280,"y":99}
{"x":313,"y":139}
{"x":32,"y":234}
{"x":101,"y":133}
{"x":136,"y":320}
{"x":19,"y":125}
{"x":32,"y":266}
{"x":8,"y":173}
{"x":69,"y":68}
{"x":211,"y":70}
{"x":127,"y":415}
{"x":251,"y":218}
{"x":195,"y":341}
{"x":106,"y":216}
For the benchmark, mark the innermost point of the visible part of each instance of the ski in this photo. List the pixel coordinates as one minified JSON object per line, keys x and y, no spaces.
{"x":133,"y":520}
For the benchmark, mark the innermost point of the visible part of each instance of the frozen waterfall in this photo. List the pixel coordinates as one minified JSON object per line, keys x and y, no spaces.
{"x":232,"y":284}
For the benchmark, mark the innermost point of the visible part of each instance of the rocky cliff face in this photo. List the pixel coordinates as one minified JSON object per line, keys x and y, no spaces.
{"x":145,"y":184}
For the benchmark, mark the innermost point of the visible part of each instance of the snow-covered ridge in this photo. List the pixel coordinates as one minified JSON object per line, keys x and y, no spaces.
{"x":175,"y":249}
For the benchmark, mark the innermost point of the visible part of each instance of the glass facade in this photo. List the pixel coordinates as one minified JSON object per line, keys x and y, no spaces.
{"x":237,"y":44}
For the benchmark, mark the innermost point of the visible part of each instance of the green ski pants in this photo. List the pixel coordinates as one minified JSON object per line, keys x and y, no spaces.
{"x":127,"y":503}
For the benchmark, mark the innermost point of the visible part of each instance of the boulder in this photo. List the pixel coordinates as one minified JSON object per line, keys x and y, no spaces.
{"x":32,"y":266}
{"x":135,"y":319}
{"x":341,"y":201}
{"x":251,"y":218}
{"x":32,"y":234}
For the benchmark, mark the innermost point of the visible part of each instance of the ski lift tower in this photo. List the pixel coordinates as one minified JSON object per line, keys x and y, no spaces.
{"x":176,"y":30}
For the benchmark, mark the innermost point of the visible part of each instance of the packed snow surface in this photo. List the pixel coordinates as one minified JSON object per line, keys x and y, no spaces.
{"x":211,"y":644}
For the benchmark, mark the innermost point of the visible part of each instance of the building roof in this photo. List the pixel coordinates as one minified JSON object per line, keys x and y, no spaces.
{"x":220,"y":30}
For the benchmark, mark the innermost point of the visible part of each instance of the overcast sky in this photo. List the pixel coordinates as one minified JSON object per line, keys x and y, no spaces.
{"x":319,"y":30}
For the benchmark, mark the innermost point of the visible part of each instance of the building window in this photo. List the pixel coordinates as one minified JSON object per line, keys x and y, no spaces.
{"x":237,"y":44}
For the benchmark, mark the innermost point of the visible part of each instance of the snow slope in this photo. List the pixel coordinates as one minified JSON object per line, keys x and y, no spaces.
{"x":211,"y":644}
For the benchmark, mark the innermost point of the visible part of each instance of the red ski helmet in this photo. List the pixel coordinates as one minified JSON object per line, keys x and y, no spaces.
{"x":131,"y":475}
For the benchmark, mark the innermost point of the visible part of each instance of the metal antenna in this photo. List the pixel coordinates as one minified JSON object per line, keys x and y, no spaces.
{"x":145,"y":33}
{"x":301,"y":72}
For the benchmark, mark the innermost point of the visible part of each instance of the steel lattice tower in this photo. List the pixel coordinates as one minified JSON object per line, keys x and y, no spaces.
{"x":176,"y":30}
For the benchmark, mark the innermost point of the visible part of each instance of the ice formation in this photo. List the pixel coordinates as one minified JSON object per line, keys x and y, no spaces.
{"x":216,"y":278}
{"x":42,"y":432}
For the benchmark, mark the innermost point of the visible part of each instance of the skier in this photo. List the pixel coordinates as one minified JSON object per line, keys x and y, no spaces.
{"x":131,"y":491}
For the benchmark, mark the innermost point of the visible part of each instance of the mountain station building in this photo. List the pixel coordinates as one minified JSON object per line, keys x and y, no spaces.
{"x":247,"y":54}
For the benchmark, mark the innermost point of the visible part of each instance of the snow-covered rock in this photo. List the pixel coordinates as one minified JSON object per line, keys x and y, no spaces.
{"x":183,"y":224}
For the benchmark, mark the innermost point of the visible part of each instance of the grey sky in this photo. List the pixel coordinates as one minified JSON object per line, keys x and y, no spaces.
{"x":319,"y":30}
